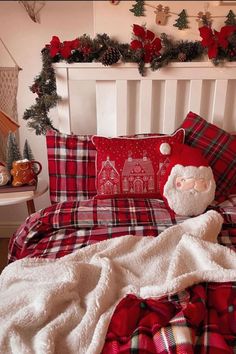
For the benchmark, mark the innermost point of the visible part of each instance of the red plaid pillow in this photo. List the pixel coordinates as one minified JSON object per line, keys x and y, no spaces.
{"x":233,"y":189}
{"x":131,"y":167}
{"x":71,"y":166}
{"x":218,"y":147}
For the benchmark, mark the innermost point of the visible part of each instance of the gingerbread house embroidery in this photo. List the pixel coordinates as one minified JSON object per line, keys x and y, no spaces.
{"x":108,"y":178}
{"x":138,"y":175}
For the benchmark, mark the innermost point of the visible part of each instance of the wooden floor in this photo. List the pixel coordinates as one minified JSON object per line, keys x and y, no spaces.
{"x":3,"y":252}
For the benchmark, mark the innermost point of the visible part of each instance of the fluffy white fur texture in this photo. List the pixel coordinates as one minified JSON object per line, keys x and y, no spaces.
{"x":165,"y":149}
{"x":65,"y":305}
{"x":189,"y":202}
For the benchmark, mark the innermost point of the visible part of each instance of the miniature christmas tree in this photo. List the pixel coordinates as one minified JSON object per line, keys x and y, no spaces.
{"x":181,"y":21}
{"x":230,"y":18}
{"x":138,"y":8}
{"x":27,"y":152}
{"x":13,"y":151}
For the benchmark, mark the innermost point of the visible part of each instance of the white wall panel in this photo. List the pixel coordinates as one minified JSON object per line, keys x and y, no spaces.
{"x":121,"y":107}
{"x":170,"y":106}
{"x":129,"y":103}
{"x":219,"y":102}
{"x":64,"y":119}
{"x":195,"y":96}
{"x":145,"y":107}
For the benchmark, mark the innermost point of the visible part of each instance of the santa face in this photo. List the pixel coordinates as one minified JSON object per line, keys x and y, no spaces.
{"x":189,"y":190}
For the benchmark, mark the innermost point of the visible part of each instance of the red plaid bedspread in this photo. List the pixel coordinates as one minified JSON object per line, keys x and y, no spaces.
{"x":202,"y":319}
{"x":65,"y":227}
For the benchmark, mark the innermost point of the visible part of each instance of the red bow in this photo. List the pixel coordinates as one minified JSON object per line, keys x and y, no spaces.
{"x":65,"y":48}
{"x":213,"y":40}
{"x":146,"y":41}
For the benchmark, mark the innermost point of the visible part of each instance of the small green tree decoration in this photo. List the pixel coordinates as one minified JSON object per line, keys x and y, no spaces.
{"x":181,"y":22}
{"x":27,"y":152}
{"x":138,"y":8}
{"x":13,"y":151}
{"x":230,"y":18}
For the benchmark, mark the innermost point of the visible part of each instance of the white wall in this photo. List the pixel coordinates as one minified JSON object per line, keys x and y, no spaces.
{"x":25,"y":39}
{"x":118,"y":20}
{"x":68,"y":19}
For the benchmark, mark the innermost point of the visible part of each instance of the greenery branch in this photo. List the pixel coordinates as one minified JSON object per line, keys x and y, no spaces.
{"x":145,"y":48}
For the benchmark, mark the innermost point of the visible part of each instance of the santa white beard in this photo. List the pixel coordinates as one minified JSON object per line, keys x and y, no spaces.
{"x":189,"y":202}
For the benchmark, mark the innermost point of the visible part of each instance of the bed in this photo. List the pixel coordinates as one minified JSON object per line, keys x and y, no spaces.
{"x":127,"y":274}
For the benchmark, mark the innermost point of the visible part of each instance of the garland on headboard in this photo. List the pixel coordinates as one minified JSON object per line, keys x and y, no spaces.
{"x":144,"y":48}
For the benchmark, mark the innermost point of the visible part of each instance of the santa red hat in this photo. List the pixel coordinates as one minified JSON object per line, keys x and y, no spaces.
{"x":186,"y":169}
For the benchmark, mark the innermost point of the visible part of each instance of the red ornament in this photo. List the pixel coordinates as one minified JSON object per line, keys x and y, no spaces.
{"x":86,"y":50}
{"x":36,"y":89}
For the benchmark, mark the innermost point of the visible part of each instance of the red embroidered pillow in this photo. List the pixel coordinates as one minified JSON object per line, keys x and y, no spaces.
{"x":71,"y":166}
{"x":131,"y":167}
{"x":218,"y":147}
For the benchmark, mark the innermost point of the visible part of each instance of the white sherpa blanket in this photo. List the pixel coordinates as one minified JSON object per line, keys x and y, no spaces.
{"x":65,"y":305}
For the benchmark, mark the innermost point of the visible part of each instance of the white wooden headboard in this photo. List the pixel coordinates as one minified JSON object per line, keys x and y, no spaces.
{"x":126,"y":103}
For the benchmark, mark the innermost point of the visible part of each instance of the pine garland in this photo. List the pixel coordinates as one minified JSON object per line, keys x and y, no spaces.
{"x":173,"y":52}
{"x":144,"y":48}
{"x":45,"y":87}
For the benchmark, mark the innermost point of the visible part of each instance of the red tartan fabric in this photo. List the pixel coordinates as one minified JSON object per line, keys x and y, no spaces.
{"x":218,"y":147}
{"x":202,"y":319}
{"x":71,"y":165}
{"x":65,"y":227}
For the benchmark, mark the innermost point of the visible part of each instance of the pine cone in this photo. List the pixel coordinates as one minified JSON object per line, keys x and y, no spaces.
{"x":181,"y":56}
{"x":110,"y":56}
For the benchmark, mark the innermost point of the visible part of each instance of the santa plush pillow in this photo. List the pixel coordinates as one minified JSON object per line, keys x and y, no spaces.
{"x":189,"y":185}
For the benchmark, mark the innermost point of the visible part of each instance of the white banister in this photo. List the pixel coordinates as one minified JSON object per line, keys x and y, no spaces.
{"x":122,"y":108}
{"x":64,"y":118}
{"x":106,"y":108}
{"x":219,"y":102}
{"x":170,"y":101}
{"x":145,"y":107}
{"x":195,"y":96}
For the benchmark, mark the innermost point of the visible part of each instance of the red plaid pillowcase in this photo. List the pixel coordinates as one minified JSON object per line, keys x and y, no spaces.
{"x":218,"y":147}
{"x":71,"y":166}
{"x":233,"y":189}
